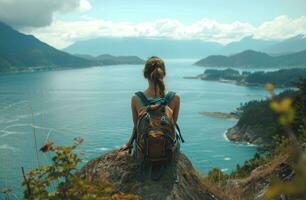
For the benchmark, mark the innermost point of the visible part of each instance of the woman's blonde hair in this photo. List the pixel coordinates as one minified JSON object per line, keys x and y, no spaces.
{"x":155,"y":71}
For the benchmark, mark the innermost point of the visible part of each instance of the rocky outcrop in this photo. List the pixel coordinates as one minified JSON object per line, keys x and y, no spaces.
{"x":256,"y":184}
{"x":244,"y":134}
{"x":126,"y":175}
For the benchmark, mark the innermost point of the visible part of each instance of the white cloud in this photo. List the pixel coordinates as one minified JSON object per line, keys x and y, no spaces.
{"x":85,"y":5}
{"x":37,"y":13}
{"x":63,"y":33}
{"x":212,"y":30}
{"x":281,"y":27}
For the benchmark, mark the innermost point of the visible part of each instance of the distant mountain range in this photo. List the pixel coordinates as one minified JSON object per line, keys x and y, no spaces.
{"x":169,"y":48}
{"x":20,"y":52}
{"x":294,"y":44}
{"x":252,"y":58}
{"x":145,"y":47}
{"x":245,"y":44}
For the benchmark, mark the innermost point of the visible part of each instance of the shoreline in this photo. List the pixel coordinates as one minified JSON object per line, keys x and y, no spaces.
{"x":238,"y":142}
{"x":220,"y":115}
{"x":244,"y":84}
{"x":50,"y":69}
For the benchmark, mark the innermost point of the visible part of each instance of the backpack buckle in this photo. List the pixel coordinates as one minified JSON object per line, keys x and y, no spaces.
{"x":163,"y":120}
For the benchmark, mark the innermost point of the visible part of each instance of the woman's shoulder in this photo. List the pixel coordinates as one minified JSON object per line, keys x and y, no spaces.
{"x":173,"y":93}
{"x":175,"y":99}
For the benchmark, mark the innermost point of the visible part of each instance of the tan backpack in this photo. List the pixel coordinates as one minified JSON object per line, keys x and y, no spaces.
{"x":156,"y":136}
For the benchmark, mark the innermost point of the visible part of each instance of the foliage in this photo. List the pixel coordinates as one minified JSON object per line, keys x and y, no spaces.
{"x":280,"y":78}
{"x":228,"y":74}
{"x":299,"y":103}
{"x":287,"y":118}
{"x":249,"y":166}
{"x":59,"y":180}
{"x":259,"y":116}
{"x":216,"y":175}
{"x":295,"y":187}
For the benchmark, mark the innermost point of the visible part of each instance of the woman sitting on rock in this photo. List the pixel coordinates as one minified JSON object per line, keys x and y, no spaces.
{"x":154,"y":139}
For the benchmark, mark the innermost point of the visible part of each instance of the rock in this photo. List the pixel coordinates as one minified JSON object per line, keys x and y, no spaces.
{"x":260,"y":178}
{"x":244,"y":134}
{"x":126,"y":175}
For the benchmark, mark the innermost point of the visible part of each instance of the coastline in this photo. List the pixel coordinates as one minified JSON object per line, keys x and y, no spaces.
{"x":243,"y":134}
{"x":238,"y":142}
{"x":220,"y":115}
{"x":50,"y":69}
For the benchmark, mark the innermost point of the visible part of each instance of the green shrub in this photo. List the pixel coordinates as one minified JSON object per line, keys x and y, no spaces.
{"x":216,"y":175}
{"x":59,"y":180}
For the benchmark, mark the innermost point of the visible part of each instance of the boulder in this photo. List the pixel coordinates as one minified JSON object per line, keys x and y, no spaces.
{"x":179,"y":181}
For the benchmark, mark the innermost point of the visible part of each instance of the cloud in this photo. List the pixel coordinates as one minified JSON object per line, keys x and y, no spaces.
{"x":85,"y":5}
{"x":63,"y":33}
{"x":37,"y":13}
{"x":281,"y":27}
{"x":211,"y":30}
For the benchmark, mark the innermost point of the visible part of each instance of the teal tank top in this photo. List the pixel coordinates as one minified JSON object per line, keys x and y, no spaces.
{"x":150,"y":99}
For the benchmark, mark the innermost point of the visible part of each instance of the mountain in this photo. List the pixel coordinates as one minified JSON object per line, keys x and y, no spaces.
{"x":271,"y":47}
{"x":24,"y":52}
{"x":106,"y":59}
{"x":246,"y":43}
{"x":145,"y":47}
{"x":294,"y":44}
{"x":252,"y":58}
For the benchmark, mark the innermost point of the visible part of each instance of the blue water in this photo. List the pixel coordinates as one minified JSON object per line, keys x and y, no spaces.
{"x":94,"y":103}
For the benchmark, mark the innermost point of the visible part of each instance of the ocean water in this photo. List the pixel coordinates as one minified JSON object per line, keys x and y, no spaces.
{"x":94,"y":103}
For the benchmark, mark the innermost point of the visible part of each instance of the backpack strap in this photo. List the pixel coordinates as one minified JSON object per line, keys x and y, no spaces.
{"x":179,"y":132}
{"x":142,"y":98}
{"x":170,"y":95}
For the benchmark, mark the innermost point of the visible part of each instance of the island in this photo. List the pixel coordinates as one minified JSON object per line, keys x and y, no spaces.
{"x":221,"y":115}
{"x":279,"y":78}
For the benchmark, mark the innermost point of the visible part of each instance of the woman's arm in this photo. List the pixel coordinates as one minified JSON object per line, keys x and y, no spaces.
{"x":134,"y":108}
{"x":135,"y":119}
{"x":175,"y":105}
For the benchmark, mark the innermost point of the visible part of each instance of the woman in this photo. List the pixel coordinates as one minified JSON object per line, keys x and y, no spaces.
{"x":154,"y":71}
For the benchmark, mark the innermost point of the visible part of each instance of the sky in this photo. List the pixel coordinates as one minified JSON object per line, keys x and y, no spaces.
{"x":63,"y":22}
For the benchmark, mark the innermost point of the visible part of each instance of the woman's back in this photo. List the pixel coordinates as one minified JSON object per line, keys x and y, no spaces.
{"x":137,"y":103}
{"x":154,"y":71}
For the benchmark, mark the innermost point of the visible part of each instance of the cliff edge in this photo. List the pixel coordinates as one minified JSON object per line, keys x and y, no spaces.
{"x":126,"y":175}
{"x":244,"y":134}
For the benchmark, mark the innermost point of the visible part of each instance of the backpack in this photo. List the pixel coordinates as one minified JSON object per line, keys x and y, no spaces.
{"x":156,"y":136}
